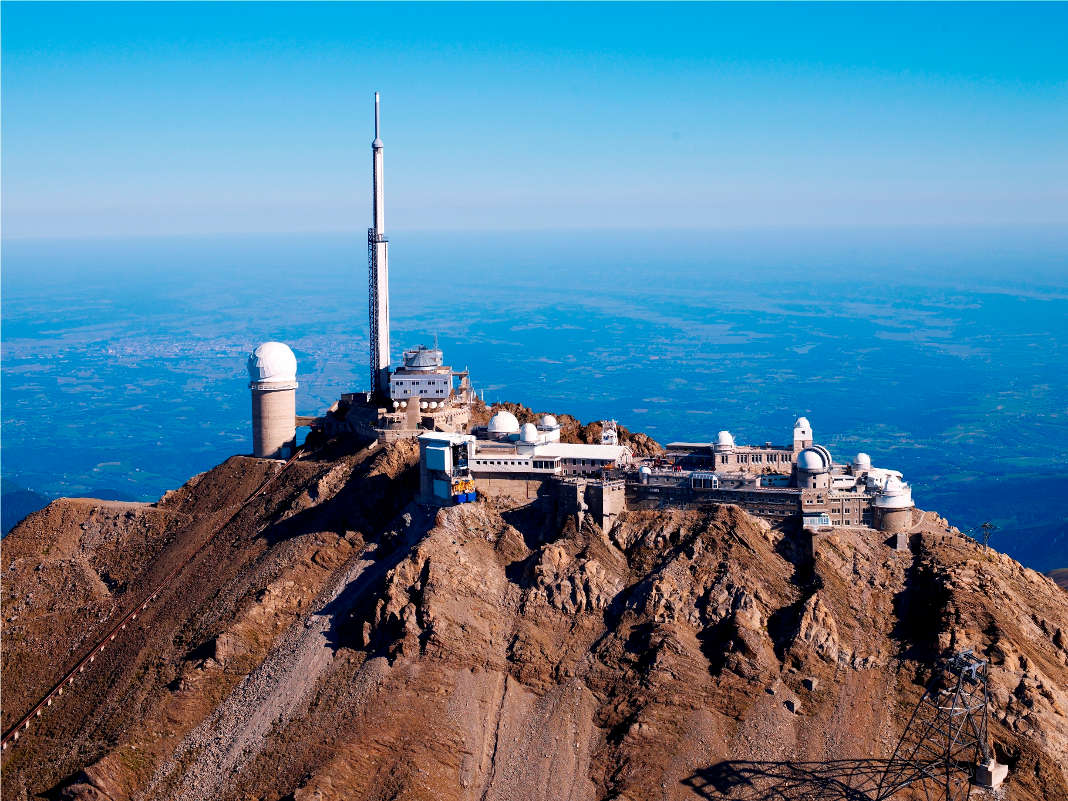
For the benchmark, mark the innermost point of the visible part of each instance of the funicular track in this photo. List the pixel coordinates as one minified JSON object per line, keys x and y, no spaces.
{"x":12,"y":735}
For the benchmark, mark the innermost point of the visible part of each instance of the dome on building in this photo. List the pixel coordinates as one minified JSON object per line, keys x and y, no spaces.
{"x":548,"y":421}
{"x":894,"y":494}
{"x":503,"y":422}
{"x":422,"y":359}
{"x":862,"y":460}
{"x":272,"y":362}
{"x":802,"y":422}
{"x":813,"y":460}
{"x":724,"y":440}
{"x":528,"y":433}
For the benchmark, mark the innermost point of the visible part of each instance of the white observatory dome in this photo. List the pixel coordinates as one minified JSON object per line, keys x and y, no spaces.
{"x":812,"y":460}
{"x":802,"y":422}
{"x":724,"y":441}
{"x":528,"y":433}
{"x":272,"y":362}
{"x":895,"y":494}
{"x":504,"y":422}
{"x":548,"y":421}
{"x":862,"y":460}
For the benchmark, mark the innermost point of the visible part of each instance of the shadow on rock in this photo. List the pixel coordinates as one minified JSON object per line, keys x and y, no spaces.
{"x":847,"y":779}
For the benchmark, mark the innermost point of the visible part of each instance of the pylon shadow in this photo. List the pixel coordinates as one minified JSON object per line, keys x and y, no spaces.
{"x":747,"y":780}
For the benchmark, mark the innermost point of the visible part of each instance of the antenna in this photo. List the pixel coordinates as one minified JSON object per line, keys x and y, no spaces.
{"x":376,"y":115}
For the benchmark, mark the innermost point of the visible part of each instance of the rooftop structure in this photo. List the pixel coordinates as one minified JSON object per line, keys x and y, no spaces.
{"x":422,"y":376}
{"x":421,"y":394}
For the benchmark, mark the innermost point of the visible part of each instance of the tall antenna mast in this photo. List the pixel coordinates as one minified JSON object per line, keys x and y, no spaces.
{"x":378,"y":271}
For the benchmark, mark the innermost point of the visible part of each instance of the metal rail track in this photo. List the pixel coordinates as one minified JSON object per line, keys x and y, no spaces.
{"x":12,"y":735}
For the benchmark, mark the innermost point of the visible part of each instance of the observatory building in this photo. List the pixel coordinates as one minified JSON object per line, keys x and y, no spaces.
{"x":514,"y":462}
{"x":423,"y":397}
{"x":272,"y":372}
{"x":423,"y":393}
{"x":781,"y":481}
{"x":522,"y":464}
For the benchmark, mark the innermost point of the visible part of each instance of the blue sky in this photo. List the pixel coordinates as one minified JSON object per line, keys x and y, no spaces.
{"x":167,"y":118}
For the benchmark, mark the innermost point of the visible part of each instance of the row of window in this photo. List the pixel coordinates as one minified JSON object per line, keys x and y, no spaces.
{"x":541,"y":464}
{"x":745,"y":458}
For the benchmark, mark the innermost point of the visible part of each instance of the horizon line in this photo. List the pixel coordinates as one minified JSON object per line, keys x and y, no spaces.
{"x":360,"y":232}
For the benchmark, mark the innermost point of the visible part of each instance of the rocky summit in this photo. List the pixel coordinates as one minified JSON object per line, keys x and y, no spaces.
{"x":316,"y":634}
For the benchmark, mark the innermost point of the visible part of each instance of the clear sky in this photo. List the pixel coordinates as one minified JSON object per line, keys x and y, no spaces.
{"x":167,"y":118}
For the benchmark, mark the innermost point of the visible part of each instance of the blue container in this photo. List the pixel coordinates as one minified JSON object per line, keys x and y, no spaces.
{"x":472,"y":497}
{"x":459,"y":498}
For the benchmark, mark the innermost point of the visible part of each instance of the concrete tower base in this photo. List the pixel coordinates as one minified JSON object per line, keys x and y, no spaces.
{"x":893,"y":521}
{"x":274,"y":419}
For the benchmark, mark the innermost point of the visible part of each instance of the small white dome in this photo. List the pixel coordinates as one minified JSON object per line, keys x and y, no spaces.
{"x":528,"y":433}
{"x":802,"y":422}
{"x":812,"y":461}
{"x":862,"y":460}
{"x":548,"y":421}
{"x":504,"y":422}
{"x":272,"y":362}
{"x":724,"y":440}
{"x":644,"y":470}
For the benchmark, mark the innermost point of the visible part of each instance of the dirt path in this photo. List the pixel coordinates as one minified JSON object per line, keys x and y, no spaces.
{"x":273,"y":693}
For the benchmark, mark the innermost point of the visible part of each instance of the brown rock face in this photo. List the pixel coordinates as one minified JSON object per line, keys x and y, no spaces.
{"x":334,"y":640}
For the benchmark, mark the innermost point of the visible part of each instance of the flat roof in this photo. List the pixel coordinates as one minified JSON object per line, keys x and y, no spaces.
{"x":405,"y":372}
{"x":569,"y":450}
{"x":446,"y":436}
{"x":712,"y":445}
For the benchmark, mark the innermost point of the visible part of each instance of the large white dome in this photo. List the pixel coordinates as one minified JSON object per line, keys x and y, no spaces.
{"x":528,"y":433}
{"x":504,"y":422}
{"x":272,"y":362}
{"x":862,"y":460}
{"x":724,"y":440}
{"x":812,"y":460}
{"x":548,"y":421}
{"x":801,"y":422}
{"x":895,"y":494}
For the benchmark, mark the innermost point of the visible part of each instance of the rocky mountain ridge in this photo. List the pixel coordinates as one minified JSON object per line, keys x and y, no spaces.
{"x":330,"y":638}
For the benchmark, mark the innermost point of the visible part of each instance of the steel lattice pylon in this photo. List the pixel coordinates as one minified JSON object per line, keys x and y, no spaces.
{"x":372,"y":303}
{"x":946,"y":736}
{"x":935,"y":758}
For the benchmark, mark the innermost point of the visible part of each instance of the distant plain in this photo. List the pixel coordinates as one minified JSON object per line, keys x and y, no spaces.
{"x":941,"y":352}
